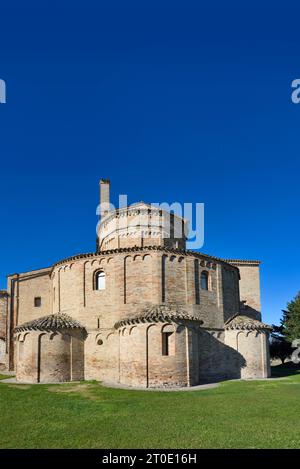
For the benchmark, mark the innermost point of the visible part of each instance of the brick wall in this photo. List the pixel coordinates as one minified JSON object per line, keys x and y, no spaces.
{"x":3,"y":312}
{"x":250,"y":287}
{"x":53,"y":356}
{"x":134,"y":280}
{"x":3,"y":306}
{"x":253,"y":347}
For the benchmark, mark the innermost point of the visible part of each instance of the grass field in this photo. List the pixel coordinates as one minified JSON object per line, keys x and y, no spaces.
{"x":3,"y":376}
{"x":237,"y":414}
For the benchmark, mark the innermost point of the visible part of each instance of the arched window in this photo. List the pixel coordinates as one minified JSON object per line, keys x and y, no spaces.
{"x":204,"y":280}
{"x":99,"y":280}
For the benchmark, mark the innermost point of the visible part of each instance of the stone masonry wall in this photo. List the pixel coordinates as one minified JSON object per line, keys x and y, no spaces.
{"x":253,"y":347}
{"x":134,"y":280}
{"x":250,"y":287}
{"x":3,"y":310}
{"x":53,"y":356}
{"x":230,"y":289}
{"x":30,"y":287}
{"x":3,"y":306}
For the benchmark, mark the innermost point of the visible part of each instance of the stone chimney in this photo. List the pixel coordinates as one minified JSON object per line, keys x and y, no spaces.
{"x":104,"y":196}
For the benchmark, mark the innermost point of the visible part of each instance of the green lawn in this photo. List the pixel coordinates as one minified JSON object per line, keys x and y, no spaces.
{"x":238,"y":414}
{"x":4,"y":376}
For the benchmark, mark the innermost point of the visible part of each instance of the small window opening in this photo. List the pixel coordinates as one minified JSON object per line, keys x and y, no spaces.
{"x":204,"y":280}
{"x":37,"y":301}
{"x":166,"y":339}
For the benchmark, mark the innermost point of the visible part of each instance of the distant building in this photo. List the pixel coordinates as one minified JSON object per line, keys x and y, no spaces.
{"x":140,"y":311}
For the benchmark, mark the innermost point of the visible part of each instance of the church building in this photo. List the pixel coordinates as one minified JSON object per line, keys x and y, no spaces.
{"x":140,"y":311}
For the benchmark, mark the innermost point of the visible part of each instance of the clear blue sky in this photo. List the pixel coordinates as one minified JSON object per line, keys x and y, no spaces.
{"x":173,"y":101}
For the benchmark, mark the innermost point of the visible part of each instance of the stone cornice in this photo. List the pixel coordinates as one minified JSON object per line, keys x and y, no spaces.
{"x":30,"y":273}
{"x":241,"y":322}
{"x":208,"y":258}
{"x":137,"y":209}
{"x":242,"y":262}
{"x":158,"y":313}
{"x":50,"y":323}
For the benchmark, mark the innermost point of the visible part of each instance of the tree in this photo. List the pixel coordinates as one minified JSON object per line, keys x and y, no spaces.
{"x":282,"y":336}
{"x":290,"y":322}
{"x":280,"y":347}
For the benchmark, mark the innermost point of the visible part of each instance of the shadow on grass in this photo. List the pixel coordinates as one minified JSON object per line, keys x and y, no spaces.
{"x":287,"y":369}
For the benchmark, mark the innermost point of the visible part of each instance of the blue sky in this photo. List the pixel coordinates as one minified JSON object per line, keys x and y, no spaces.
{"x":173,"y":101}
